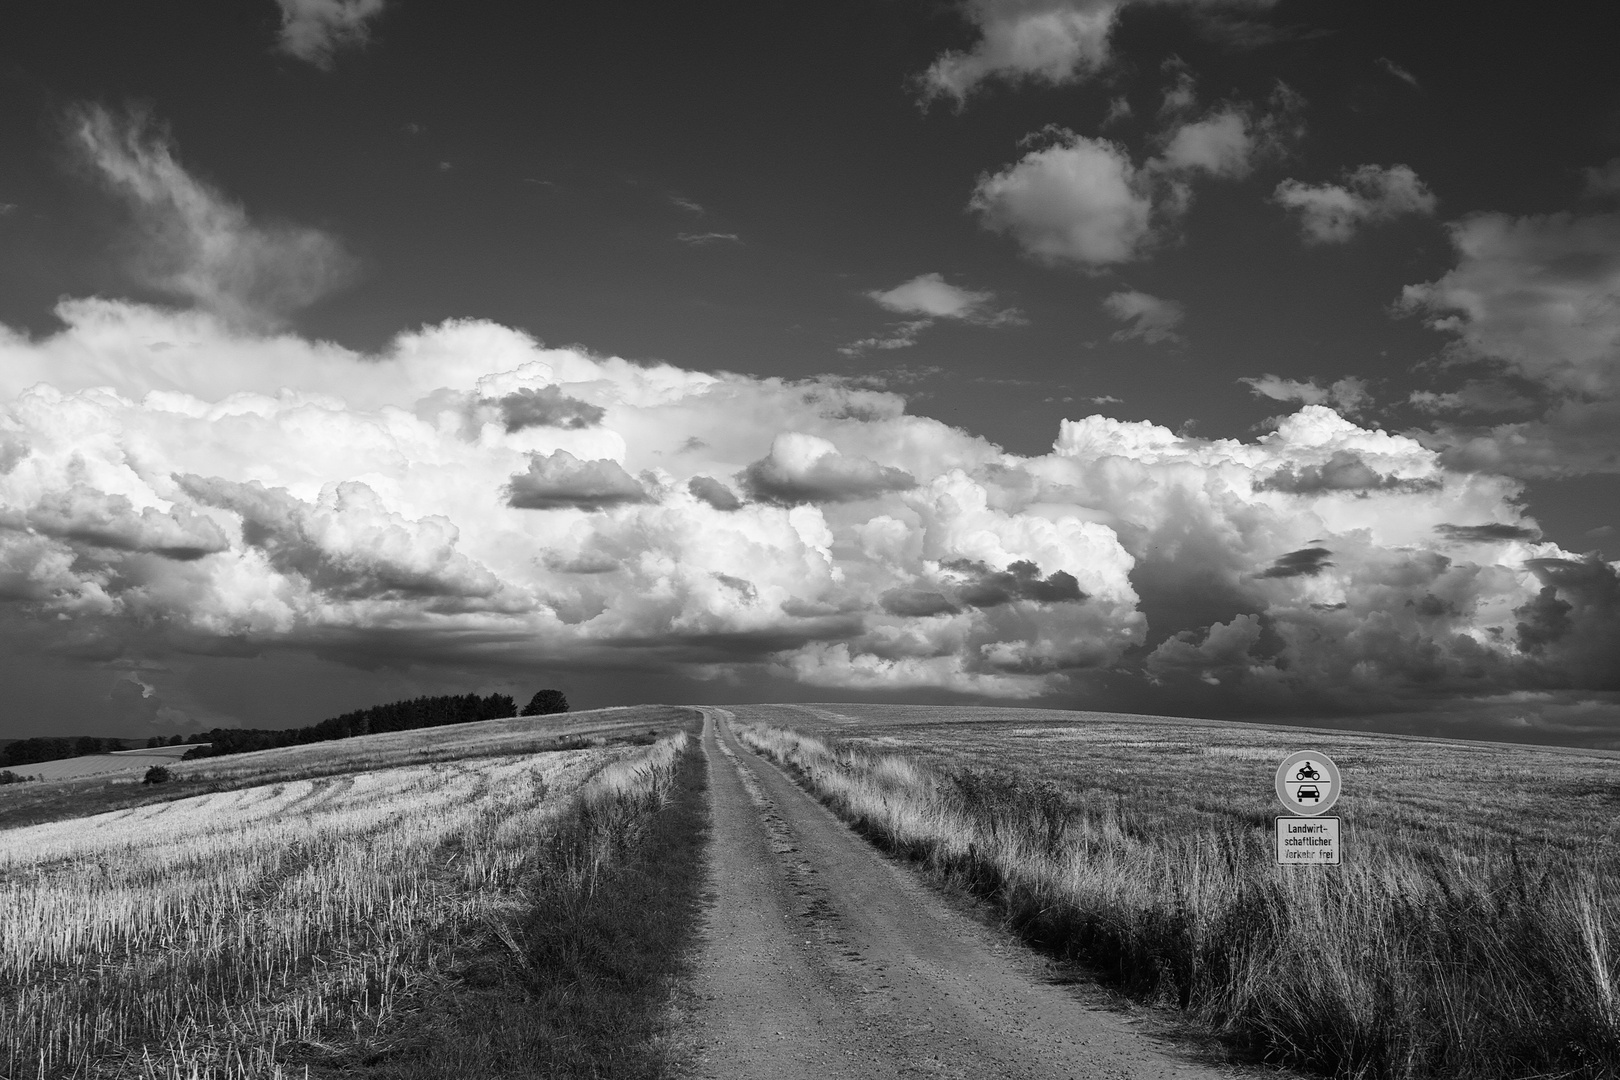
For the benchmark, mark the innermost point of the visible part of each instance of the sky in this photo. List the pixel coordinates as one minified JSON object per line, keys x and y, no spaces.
{"x":1255,"y":359}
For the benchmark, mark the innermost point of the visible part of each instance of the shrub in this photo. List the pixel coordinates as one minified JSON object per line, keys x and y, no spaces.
{"x":9,"y":777}
{"x":545,"y":703}
{"x":157,"y":774}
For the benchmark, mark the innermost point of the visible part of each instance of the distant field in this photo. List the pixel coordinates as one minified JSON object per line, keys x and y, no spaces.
{"x":23,"y":804}
{"x":389,"y":901}
{"x":119,"y":761}
{"x":1188,"y":774}
{"x":1473,"y":930}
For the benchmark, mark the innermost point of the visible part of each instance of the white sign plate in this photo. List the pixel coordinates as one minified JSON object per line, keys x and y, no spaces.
{"x":1308,"y":783}
{"x":1308,"y":841}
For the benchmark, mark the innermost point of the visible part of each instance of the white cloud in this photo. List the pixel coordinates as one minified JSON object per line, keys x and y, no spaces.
{"x":1331,"y":213}
{"x":1603,"y":180}
{"x":700,"y":239}
{"x":170,"y":484}
{"x":1043,"y":41}
{"x":1221,"y":144}
{"x":1052,"y":42}
{"x":932,"y":296}
{"x":313,"y":30}
{"x":1538,"y":294}
{"x":1152,"y":319}
{"x":1538,"y":298}
{"x":197,"y":244}
{"x":1078,"y":201}
{"x":1085,"y":202}
{"x":1348,"y":395}
{"x":1399,"y":72}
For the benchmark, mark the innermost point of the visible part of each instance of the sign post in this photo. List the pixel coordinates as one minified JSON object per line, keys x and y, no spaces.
{"x":1308,"y":785}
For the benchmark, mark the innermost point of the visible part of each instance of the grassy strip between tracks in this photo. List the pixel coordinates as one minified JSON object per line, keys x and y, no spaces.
{"x":1410,"y":961}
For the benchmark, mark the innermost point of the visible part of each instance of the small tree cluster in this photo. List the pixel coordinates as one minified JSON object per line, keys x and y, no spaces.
{"x":545,"y":703}
{"x":157,"y":774}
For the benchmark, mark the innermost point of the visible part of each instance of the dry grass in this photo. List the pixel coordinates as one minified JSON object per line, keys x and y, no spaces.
{"x":1474,"y":929}
{"x":298,"y":924}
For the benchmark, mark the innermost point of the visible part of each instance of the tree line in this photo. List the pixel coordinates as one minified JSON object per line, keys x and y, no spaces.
{"x":408,"y":715}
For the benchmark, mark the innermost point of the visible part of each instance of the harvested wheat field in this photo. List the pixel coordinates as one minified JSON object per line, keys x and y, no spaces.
{"x":340,"y":920}
{"x":1473,"y":930}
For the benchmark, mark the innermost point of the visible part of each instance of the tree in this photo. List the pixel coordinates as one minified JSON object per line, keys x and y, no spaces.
{"x":546,"y":702}
{"x":157,"y":774}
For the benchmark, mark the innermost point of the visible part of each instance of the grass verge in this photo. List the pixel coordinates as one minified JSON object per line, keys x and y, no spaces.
{"x":579,"y":985}
{"x":1415,"y":959}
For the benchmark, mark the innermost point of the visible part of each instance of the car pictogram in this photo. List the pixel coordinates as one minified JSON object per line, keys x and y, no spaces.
{"x":1308,"y":791}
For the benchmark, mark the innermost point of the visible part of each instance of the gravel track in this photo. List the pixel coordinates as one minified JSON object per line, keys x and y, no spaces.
{"x":821,"y":957}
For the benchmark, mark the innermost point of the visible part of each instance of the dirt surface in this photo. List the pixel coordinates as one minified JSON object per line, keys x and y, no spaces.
{"x":823,"y":958}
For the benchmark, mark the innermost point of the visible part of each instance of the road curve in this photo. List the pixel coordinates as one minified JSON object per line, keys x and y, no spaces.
{"x":821,"y":958}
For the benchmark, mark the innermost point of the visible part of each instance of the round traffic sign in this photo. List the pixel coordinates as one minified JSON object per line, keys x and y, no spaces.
{"x":1308,"y":783}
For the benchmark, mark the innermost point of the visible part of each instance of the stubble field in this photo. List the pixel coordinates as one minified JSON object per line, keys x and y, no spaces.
{"x":325,"y":908}
{"x":1473,"y":930}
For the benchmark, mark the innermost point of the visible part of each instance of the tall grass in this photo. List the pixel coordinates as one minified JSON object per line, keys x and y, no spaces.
{"x":305,"y":924}
{"x":1471,"y":958}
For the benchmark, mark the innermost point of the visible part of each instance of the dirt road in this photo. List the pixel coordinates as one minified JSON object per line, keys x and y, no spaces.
{"x":821,"y":958}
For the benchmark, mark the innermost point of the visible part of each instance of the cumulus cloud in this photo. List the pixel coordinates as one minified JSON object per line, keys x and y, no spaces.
{"x":194,"y":242}
{"x":1348,"y":395}
{"x":1078,"y":201}
{"x":1602,"y":180}
{"x":546,"y":406}
{"x":1343,"y":471}
{"x":1042,"y":41}
{"x":1085,"y":202}
{"x":314,"y":30}
{"x":806,"y":468}
{"x":1221,"y":144}
{"x":930,"y":298}
{"x":559,"y":481}
{"x":1331,"y":213}
{"x":1152,"y":319}
{"x":1488,"y":533}
{"x":1536,"y":298}
{"x":176,"y":486}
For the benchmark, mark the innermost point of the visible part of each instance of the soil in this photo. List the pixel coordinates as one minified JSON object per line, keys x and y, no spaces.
{"x":821,"y":957}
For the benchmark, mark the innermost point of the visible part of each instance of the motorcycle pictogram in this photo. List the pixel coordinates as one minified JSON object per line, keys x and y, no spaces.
{"x":1307,"y":773}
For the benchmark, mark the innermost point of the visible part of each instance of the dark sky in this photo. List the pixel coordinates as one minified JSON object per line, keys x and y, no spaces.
{"x":1198,"y":219}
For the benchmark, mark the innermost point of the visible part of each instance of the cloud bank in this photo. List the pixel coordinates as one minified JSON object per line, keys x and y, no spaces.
{"x":173,"y":483}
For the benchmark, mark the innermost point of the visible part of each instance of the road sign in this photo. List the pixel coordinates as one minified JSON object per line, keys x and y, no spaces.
{"x":1308,"y":783}
{"x":1308,"y":841}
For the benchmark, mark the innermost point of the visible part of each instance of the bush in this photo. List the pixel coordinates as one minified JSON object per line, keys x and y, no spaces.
{"x":9,"y":777}
{"x":158,"y":774}
{"x":545,"y":703}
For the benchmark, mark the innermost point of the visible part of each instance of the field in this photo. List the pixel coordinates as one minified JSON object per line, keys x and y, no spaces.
{"x":119,"y":761}
{"x":333,"y":907}
{"x":1474,"y":929}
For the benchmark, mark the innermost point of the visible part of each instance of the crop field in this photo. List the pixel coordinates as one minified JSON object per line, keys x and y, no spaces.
{"x":1473,"y":930}
{"x":295,"y":925}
